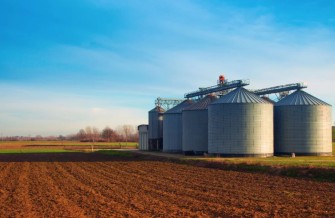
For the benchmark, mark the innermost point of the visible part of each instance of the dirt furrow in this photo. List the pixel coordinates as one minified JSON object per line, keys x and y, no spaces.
{"x":125,"y":191}
{"x":157,"y":187}
{"x":85,"y":185}
{"x":46,"y":198}
{"x":89,"y":194}
{"x":15,"y":186}
{"x":273,"y":197}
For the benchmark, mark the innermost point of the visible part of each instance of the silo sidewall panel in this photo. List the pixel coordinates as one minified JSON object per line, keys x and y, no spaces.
{"x":241,"y":129}
{"x":172,"y":132}
{"x":143,"y":139}
{"x":303,"y":129}
{"x":160,"y":125}
{"x":215,"y":127}
{"x":153,"y":125}
{"x":195,"y":130}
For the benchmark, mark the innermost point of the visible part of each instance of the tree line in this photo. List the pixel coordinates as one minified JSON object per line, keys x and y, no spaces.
{"x":124,"y":133}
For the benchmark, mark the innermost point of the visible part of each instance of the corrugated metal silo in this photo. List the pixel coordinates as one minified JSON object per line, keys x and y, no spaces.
{"x":172,"y":127}
{"x":303,"y":125}
{"x":143,"y":142}
{"x":156,"y":128}
{"x":195,"y":126}
{"x":240,"y":124}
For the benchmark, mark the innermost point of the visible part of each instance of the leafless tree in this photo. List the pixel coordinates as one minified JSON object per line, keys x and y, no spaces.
{"x":127,"y":130}
{"x":89,"y":132}
{"x":108,"y":134}
{"x":82,"y":135}
{"x":93,"y":135}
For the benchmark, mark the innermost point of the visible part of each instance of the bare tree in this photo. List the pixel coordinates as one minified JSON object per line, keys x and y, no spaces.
{"x":127,"y":130}
{"x":93,"y":135}
{"x":88,"y":131}
{"x":82,"y":135}
{"x":108,"y":134}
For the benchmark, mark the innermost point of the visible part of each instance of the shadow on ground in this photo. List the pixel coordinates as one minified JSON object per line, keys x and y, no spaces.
{"x":66,"y":157}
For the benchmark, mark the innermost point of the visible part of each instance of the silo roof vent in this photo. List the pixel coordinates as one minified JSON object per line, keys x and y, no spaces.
{"x":179,"y":108}
{"x":300,"y":97}
{"x":202,"y":104}
{"x":158,"y":109}
{"x":241,"y":95}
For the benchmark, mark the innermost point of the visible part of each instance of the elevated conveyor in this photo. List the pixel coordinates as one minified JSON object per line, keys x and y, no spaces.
{"x":217,"y":88}
{"x":279,"y":89}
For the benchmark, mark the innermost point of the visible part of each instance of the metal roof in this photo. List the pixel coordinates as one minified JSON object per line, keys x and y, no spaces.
{"x":241,"y":95}
{"x":268,"y":99}
{"x":300,"y":97}
{"x":202,"y":104}
{"x":157,"y":109}
{"x":179,"y":108}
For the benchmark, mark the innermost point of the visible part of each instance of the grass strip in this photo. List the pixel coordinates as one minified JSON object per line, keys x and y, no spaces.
{"x":33,"y":151}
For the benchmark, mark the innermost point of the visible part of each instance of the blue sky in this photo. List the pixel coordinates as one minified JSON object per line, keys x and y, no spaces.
{"x":65,"y":65}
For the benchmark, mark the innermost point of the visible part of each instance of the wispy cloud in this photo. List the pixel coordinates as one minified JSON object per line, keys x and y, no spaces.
{"x":138,"y":51}
{"x":32,"y":111}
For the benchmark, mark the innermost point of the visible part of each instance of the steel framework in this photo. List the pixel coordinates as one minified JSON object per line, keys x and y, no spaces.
{"x":167,"y":103}
{"x":281,"y":88}
{"x":217,"y":88}
{"x":281,"y":91}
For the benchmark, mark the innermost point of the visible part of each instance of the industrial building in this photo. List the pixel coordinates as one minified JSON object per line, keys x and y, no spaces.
{"x":173,"y":127}
{"x":156,"y":128}
{"x":229,"y":120}
{"x":240,"y":124}
{"x":143,"y":139}
{"x":195,"y":126}
{"x":303,"y":125}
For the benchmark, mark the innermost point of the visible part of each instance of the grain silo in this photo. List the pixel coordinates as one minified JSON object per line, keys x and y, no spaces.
{"x":143,"y":142}
{"x":156,"y":128}
{"x":303,"y":125}
{"x":172,"y":127}
{"x":240,"y":124}
{"x":195,"y":126}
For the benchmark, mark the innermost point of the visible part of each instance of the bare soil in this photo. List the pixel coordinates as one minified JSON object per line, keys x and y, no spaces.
{"x":97,"y":185}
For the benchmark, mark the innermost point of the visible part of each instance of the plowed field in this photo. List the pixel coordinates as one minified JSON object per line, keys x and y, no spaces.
{"x":97,"y":185}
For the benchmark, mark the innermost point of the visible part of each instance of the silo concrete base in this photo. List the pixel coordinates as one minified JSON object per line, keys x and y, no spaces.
{"x":241,"y":155}
{"x":172,"y":151}
{"x":191,"y":153}
{"x":156,"y":144}
{"x":304,"y":154}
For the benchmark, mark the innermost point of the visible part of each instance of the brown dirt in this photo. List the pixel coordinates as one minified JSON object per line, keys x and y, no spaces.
{"x":97,"y":185}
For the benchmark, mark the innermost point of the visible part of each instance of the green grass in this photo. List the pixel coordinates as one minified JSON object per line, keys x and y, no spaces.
{"x":303,"y":161}
{"x":277,"y":161}
{"x":314,"y":168}
{"x":20,"y":147}
{"x":33,"y":151}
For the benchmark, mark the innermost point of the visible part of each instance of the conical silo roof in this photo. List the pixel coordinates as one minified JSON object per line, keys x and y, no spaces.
{"x":157,"y":109}
{"x":202,"y":104}
{"x":300,"y":97}
{"x":179,"y":108}
{"x":241,"y":95}
{"x":268,"y":99}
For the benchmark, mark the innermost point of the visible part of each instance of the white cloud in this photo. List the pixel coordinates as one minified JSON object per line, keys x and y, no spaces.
{"x":32,"y":111}
{"x":182,"y":45}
